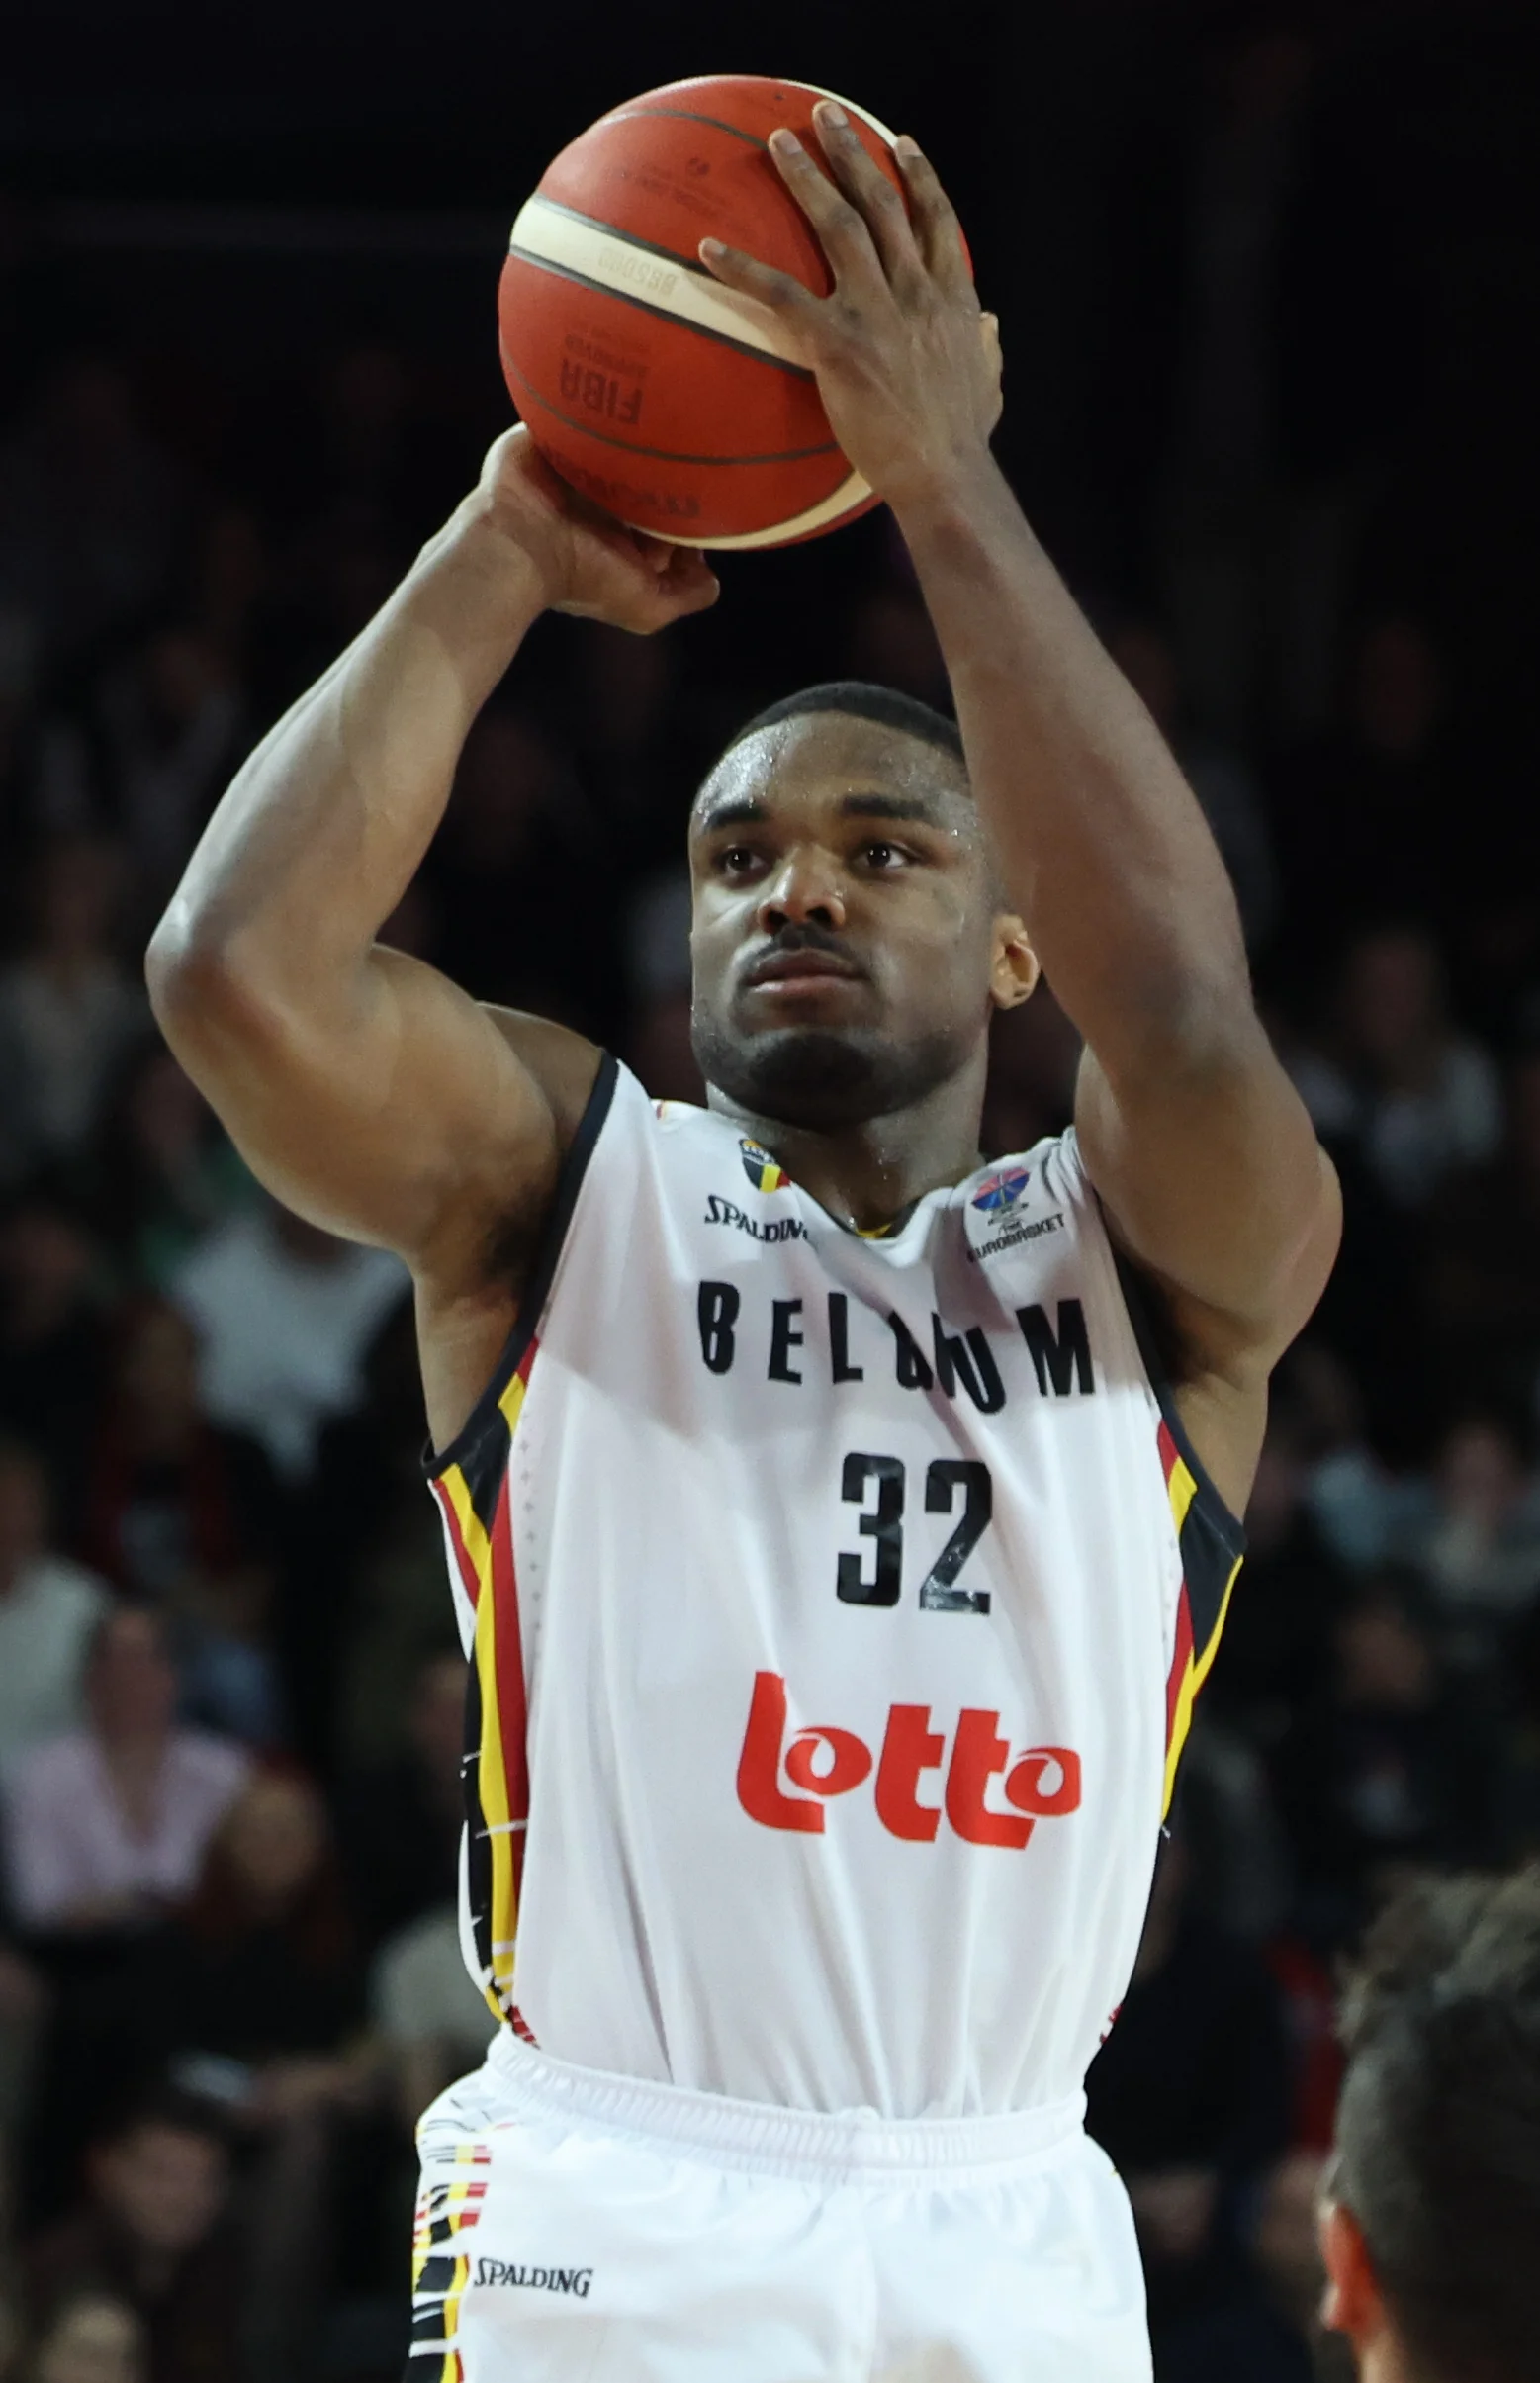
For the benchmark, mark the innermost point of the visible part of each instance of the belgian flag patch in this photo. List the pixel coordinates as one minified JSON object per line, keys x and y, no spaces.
{"x":761,"y":1170}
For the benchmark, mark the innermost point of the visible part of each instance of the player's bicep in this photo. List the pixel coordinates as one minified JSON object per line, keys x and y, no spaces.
{"x":393,"y":1111}
{"x":1215,"y":1184}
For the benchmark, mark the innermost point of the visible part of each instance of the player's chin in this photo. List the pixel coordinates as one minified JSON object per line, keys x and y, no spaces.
{"x":806,"y":1074}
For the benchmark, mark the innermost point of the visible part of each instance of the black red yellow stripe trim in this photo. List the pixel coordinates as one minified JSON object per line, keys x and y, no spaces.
{"x":470,"y":1482}
{"x":447,"y":2211}
{"x":1211,"y":1541}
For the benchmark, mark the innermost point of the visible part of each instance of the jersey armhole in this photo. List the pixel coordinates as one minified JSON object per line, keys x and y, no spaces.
{"x":537,"y":1290}
{"x":1227,"y":1528}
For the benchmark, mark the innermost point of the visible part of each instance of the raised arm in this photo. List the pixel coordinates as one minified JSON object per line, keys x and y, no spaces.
{"x":1201,"y":1153}
{"x":365,"y":1089}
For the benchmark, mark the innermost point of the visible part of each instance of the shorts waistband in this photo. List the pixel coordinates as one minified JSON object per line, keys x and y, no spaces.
{"x":851,"y":2146}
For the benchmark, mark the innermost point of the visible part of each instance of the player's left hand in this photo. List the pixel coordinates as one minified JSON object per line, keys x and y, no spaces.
{"x":908,"y":366}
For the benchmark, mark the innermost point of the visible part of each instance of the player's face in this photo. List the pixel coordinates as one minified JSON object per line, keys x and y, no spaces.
{"x":848,"y":949}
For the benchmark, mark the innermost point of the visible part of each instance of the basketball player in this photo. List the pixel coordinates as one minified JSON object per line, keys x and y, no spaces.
{"x":840,"y":1527}
{"x":1430,"y":2235}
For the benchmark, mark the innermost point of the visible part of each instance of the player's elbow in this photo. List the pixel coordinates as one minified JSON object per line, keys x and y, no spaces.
{"x":206,"y":986}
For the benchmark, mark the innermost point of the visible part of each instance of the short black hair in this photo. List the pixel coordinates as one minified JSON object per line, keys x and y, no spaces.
{"x":1438,"y":2128}
{"x":860,"y":699}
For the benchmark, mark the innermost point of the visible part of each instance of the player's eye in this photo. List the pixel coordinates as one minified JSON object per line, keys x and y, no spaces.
{"x":735,"y":859}
{"x":879,"y":854}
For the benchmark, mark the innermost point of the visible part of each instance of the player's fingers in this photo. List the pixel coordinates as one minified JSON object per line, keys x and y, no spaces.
{"x":841,"y":228}
{"x":736,"y":270}
{"x":937,"y":230}
{"x":864,"y":184}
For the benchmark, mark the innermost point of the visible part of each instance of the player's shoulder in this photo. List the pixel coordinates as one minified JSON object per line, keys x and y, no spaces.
{"x":1054,"y":1164}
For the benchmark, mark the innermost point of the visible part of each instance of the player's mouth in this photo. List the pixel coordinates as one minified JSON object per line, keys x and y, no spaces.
{"x":789,"y":975}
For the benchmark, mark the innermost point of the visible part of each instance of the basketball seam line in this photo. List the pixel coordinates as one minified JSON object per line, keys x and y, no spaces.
{"x":663,"y":314}
{"x":666,"y":454}
{"x":686,"y":116}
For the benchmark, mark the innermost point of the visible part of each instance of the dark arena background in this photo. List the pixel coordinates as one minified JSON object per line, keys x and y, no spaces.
{"x":1268,"y":285}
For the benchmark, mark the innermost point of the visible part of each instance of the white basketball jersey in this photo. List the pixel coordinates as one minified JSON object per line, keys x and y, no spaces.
{"x":837,"y":1605}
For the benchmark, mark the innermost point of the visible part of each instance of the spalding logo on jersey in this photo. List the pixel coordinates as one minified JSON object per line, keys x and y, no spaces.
{"x":1002,"y":1191}
{"x":761,"y":1171}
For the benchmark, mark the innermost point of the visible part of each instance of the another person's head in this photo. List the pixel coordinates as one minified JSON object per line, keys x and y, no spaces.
{"x":271,"y":1864}
{"x":1432,"y":2230}
{"x":131,"y":1683}
{"x":155,"y":1377}
{"x":47,"y":1262}
{"x":839,"y":832}
{"x":93,"y":2338}
{"x":161,"y":2174}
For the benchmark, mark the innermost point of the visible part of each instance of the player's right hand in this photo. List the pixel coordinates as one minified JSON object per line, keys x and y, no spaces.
{"x":588,"y":562}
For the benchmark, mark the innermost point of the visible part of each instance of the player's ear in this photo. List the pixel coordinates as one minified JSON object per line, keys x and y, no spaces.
{"x":1352,"y":2303}
{"x":1014,"y":971}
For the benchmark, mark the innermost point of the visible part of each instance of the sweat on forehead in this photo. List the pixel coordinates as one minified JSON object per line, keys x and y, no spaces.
{"x":870,"y":757}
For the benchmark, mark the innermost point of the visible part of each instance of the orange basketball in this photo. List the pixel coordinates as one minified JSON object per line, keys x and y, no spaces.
{"x":675,"y":403}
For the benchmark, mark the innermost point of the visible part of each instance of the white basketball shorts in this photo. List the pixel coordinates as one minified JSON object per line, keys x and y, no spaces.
{"x":580,"y":2228}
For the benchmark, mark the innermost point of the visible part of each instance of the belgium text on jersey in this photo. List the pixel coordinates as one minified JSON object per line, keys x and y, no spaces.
{"x":1059,"y":1348}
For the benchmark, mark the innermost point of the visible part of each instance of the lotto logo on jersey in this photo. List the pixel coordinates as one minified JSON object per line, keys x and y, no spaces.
{"x":785,"y":1783}
{"x":761,"y":1170}
{"x":997,"y":1193}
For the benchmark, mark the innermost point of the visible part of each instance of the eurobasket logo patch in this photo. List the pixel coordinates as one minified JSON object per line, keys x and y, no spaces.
{"x":761,"y":1170}
{"x":997,"y":1193}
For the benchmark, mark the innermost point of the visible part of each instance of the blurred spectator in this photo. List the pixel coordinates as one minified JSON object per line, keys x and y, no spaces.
{"x":90,"y":510}
{"x":285,"y":1313}
{"x":167,"y":1172}
{"x":1483,"y":1255}
{"x":184,"y":1518}
{"x":1354,"y":1501}
{"x":1362,"y":814}
{"x":500,"y":865}
{"x":68,"y":1008}
{"x":50,"y":1334}
{"x":256,"y":1991}
{"x":1190,"y":2096}
{"x":1478,"y":1544}
{"x":1275,"y":1633}
{"x":48,"y":1609}
{"x":1397,"y":1080}
{"x":364,"y":1604}
{"x":1388,"y":1767}
{"x":258,"y":1972}
{"x":433,"y":2024}
{"x":94,"y":2338}
{"x":402,"y":1819}
{"x":172,"y":720}
{"x":152,"y":2231}
{"x":1226,"y":787}
{"x":108,"y":1824}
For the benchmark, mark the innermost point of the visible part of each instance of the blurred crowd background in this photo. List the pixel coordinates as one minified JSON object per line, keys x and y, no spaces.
{"x":1267,"y":284}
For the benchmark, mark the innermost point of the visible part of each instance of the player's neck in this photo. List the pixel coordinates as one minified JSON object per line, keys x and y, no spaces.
{"x":868,"y":1174}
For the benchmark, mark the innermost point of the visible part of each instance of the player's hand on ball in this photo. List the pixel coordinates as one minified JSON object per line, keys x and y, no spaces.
{"x":908,"y":366}
{"x":588,"y":562}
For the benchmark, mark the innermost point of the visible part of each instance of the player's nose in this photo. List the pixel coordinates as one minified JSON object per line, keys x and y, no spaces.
{"x":803,"y":891}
